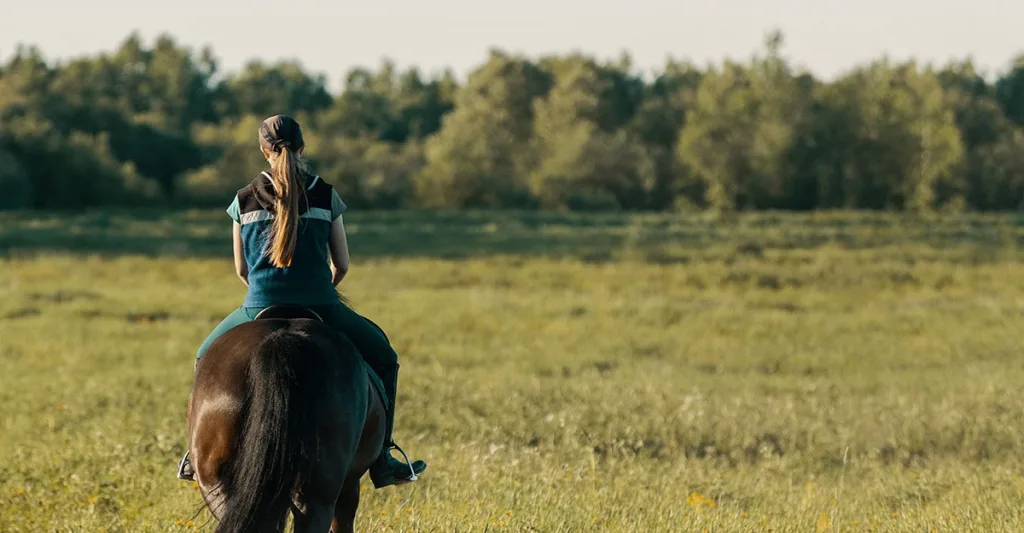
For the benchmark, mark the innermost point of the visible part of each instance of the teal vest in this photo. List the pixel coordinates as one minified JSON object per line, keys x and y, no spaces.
{"x":307,"y":281}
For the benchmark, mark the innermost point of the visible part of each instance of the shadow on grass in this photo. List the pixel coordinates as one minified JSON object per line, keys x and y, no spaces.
{"x":662,"y":239}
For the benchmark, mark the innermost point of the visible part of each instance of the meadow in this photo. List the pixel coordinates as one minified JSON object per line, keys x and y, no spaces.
{"x":768,"y":372}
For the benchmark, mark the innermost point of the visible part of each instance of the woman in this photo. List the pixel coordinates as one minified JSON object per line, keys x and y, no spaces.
{"x":285,"y":222}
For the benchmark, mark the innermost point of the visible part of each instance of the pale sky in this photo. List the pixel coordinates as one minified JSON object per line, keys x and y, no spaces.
{"x":826,"y":37}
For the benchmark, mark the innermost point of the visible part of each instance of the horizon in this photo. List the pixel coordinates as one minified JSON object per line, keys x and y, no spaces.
{"x":709,"y":35}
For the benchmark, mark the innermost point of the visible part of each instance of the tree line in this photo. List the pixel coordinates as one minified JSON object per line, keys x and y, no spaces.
{"x":162,"y":124}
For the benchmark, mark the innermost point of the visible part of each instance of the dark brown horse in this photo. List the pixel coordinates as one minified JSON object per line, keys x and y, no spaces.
{"x":283,"y":417}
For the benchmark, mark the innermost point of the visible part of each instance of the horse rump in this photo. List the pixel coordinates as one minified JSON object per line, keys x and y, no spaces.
{"x":277,"y":443}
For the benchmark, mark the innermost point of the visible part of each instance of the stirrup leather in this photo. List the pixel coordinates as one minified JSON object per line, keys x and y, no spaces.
{"x":408,"y":462}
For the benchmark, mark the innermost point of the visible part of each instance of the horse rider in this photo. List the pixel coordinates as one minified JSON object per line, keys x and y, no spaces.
{"x":285,"y":222}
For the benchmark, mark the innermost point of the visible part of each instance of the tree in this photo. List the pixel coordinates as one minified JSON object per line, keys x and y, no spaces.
{"x":580,"y":163}
{"x":144,"y":100}
{"x":564,"y":132}
{"x":369,"y":173}
{"x":657,"y":125}
{"x":481,"y":156}
{"x":75,"y":170}
{"x":1010,"y":92}
{"x":988,"y":176}
{"x":15,"y":183}
{"x":268,"y":89}
{"x":739,"y":134}
{"x":25,"y":85}
{"x":887,"y":137}
{"x":389,"y":107}
{"x":232,"y":150}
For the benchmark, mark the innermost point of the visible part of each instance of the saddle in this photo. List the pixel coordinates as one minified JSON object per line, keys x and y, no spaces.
{"x":289,"y":311}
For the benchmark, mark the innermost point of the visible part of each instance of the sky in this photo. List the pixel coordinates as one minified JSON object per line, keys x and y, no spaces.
{"x":825,"y":37}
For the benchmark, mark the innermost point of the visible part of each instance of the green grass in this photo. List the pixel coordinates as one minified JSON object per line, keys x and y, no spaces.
{"x":787,"y":373}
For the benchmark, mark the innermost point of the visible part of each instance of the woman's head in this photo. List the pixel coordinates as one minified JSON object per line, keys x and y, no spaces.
{"x":282,"y":145}
{"x":279,"y":132}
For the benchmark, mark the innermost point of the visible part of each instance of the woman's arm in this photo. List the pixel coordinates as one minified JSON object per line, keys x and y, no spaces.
{"x":241,"y":267}
{"x":339,"y":251}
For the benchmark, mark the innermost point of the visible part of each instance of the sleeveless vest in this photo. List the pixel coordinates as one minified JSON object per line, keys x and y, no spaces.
{"x":307,"y":281}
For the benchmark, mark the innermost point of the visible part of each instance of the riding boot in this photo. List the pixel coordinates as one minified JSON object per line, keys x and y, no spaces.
{"x":387,"y":470}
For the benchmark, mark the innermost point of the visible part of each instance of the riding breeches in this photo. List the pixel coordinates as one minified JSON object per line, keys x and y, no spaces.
{"x":367,"y":337}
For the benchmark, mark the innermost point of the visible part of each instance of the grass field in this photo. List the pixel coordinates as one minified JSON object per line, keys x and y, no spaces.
{"x":812,"y":373}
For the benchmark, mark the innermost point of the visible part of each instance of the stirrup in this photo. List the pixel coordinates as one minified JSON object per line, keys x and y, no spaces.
{"x":408,"y":462}
{"x":186,"y":472}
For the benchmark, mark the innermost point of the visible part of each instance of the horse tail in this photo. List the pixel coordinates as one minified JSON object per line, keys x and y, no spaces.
{"x":277,"y":443}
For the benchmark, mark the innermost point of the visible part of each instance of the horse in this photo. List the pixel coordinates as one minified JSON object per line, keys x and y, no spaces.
{"x":283,"y":416}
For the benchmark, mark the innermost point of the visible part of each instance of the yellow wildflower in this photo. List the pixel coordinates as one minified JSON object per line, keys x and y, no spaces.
{"x":824,"y":523}
{"x":698,"y":500}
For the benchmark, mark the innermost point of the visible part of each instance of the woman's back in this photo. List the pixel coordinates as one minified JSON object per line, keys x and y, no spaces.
{"x":307,"y":280}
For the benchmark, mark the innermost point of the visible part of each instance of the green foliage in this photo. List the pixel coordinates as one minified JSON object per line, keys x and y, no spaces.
{"x":892,"y":138}
{"x":481,"y":156}
{"x":368,"y":172}
{"x":232,"y":150}
{"x":740,"y":132}
{"x":15,"y":183}
{"x":991,"y":173}
{"x":390,"y":106}
{"x":559,"y":132}
{"x":584,"y":160}
{"x":1010,"y":92}
{"x":265,"y":90}
{"x":76,"y":170}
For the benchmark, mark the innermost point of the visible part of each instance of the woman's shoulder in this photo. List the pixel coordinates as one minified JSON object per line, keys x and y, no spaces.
{"x":317,"y":181}
{"x":258,"y":196}
{"x":255,"y":193}
{"x":250,"y":199}
{"x":323,"y":195}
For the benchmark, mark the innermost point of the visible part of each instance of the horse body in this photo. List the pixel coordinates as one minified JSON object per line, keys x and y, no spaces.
{"x":283,"y":417}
